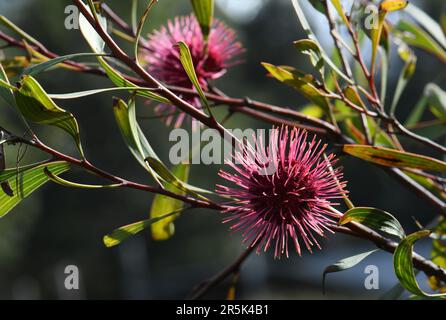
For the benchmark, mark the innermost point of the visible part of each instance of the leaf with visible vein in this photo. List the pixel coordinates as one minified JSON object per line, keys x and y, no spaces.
{"x":375,"y":219}
{"x":394,"y":158}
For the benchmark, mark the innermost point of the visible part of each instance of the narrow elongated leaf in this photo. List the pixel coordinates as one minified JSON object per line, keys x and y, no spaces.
{"x":301,"y":82}
{"x":81,"y":94}
{"x":161,"y":205}
{"x":415,"y":36}
{"x":408,"y":56}
{"x":204,"y":11}
{"x":375,"y":219}
{"x":169,"y":177}
{"x":436,"y":100}
{"x":403,"y":265}
{"x":120,"y":81}
{"x":376,"y":35}
{"x":429,"y":24}
{"x":121,"y":234}
{"x":188,"y":65}
{"x":26,"y":182}
{"x":307,"y":28}
{"x":94,"y":40}
{"x":10,"y":25}
{"x":41,"y":67}
{"x":345,"y":264}
{"x":5,"y":91}
{"x":394,"y":158}
{"x":131,"y":132}
{"x":36,"y":106}
{"x":338,"y":6}
{"x":141,"y":23}
{"x":434,"y":97}
{"x":69,"y":184}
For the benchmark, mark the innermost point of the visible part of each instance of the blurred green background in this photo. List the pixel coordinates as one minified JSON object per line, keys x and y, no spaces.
{"x":57,"y":227}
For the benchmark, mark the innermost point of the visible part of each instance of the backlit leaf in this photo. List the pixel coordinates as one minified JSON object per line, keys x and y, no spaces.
{"x":394,"y":158}
{"x":28,"y":180}
{"x":36,"y":106}
{"x":403,"y":265}
{"x":375,"y":219}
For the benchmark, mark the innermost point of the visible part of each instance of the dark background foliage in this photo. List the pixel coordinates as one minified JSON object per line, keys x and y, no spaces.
{"x":57,"y":226}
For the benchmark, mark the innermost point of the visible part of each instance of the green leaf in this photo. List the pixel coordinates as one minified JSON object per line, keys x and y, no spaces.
{"x":36,"y":106}
{"x":94,"y":40}
{"x":312,"y":49}
{"x":41,"y":67}
{"x":120,"y":81}
{"x":429,"y":24}
{"x":318,"y":5}
{"x":417,"y":111}
{"x":394,"y":158}
{"x":403,"y":265}
{"x":428,"y":183}
{"x":25,"y":181}
{"x":340,"y":10}
{"x":188,"y":65}
{"x":410,"y":59}
{"x":375,"y":219}
{"x":415,"y":36}
{"x":345,"y":264}
{"x":162,"y":204}
{"x":6,"y":92}
{"x":307,"y":28}
{"x":81,"y":94}
{"x":65,"y":183}
{"x":11,"y":26}
{"x":204,"y":11}
{"x":134,"y":138}
{"x":169,"y":177}
{"x":376,"y":35}
{"x":141,"y":23}
{"x":436,"y":100}
{"x":302,"y":83}
{"x":121,"y":234}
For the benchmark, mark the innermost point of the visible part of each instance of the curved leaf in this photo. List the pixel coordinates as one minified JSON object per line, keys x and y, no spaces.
{"x":119,"y":235}
{"x":25,"y":181}
{"x":134,"y":138}
{"x":188,"y":65}
{"x":94,"y":40}
{"x":403,"y":265}
{"x":36,"y":106}
{"x":41,"y":67}
{"x":345,"y":264}
{"x":427,"y":23}
{"x":120,"y":81}
{"x":162,"y":204}
{"x":204,"y":11}
{"x":375,"y":219}
{"x":394,"y":158}
{"x":307,"y":28}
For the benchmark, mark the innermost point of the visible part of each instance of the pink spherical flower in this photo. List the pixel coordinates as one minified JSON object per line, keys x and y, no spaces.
{"x":211,"y":60}
{"x":293,"y":201}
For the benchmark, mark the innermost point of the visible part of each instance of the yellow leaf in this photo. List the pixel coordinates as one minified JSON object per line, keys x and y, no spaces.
{"x":393,"y":5}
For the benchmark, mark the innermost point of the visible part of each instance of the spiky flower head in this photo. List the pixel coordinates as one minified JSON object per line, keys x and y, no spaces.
{"x":211,"y":59}
{"x":294,"y":201}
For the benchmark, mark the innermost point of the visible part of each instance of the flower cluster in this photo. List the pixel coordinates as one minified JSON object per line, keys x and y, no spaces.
{"x":211,"y":59}
{"x":294,"y":202}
